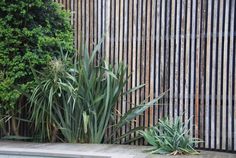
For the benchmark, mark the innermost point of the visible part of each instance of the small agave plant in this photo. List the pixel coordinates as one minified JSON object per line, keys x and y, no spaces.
{"x":170,"y":137}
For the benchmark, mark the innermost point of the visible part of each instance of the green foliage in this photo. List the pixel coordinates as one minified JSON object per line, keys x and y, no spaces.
{"x":170,"y":137}
{"x":31,"y":33}
{"x":78,"y":100}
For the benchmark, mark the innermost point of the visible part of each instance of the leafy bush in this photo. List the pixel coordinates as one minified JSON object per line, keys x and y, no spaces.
{"x":78,"y":100}
{"x":31,"y":33}
{"x":170,"y":138}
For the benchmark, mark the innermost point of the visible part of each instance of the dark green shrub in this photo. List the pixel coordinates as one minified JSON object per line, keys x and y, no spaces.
{"x":31,"y":33}
{"x":170,"y":137}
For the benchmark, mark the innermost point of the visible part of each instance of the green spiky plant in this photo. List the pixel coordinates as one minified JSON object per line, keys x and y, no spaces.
{"x":77,"y":100}
{"x":170,"y":137}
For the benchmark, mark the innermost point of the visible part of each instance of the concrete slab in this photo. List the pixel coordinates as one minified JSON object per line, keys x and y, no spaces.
{"x":91,"y":151}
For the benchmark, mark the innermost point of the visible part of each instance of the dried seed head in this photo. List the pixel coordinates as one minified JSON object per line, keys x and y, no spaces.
{"x":56,"y":66}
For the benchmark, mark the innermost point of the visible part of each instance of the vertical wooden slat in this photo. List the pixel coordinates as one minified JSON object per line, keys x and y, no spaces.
{"x":232,"y":81}
{"x":117,"y":53}
{"x":208,"y":71}
{"x":117,"y":26}
{"x":177,"y":56}
{"x":79,"y":24}
{"x":143,"y":51}
{"x":83,"y":21}
{"x":134,"y":57}
{"x":104,"y":27}
{"x":225,"y":74}
{"x":157,"y":56}
{"x":75,"y":20}
{"x":99,"y":12}
{"x":107,"y":29}
{"x":95,"y":20}
{"x":202,"y":69}
{"x":87,"y":21}
{"x":112,"y":32}
{"x":182,"y":56}
{"x":193,"y":83}
{"x":138,"y":65}
{"x":162,"y":57}
{"x":91,"y":23}
{"x":214,"y":72}
{"x":152,"y":58}
{"x":130,"y":52}
{"x":230,"y":84}
{"x":147,"y":56}
{"x":121,"y":50}
{"x":172,"y":57}
{"x":167,"y":58}
{"x":234,"y":98}
{"x":125,"y":53}
{"x":187,"y":65}
{"x":197,"y":87}
{"x":219,"y":76}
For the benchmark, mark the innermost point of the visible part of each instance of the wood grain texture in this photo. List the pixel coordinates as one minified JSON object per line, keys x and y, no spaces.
{"x":187,"y":47}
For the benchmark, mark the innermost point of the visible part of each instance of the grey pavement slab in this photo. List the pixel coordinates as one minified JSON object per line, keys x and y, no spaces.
{"x":64,"y":150}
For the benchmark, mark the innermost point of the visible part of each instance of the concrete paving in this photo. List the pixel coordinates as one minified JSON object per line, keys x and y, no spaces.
{"x":63,"y":150}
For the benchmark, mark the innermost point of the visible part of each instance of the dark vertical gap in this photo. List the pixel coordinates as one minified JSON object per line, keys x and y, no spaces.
{"x":180,"y":34}
{"x":127,"y":60}
{"x":94,"y":24}
{"x":211,"y":71}
{"x":190,"y":65}
{"x":145,"y":59}
{"x":217,"y":75}
{"x":150,"y":60}
{"x":141,"y":38}
{"x":109,"y":50}
{"x":102,"y":46}
{"x":89,"y":29}
{"x":110,"y":33}
{"x":205,"y":62}
{"x":184,"y":54}
{"x":114,"y":36}
{"x":234,"y":82}
{"x":105,"y":29}
{"x":123,"y":38}
{"x":97,"y":29}
{"x":195,"y":75}
{"x":174,"y":36}
{"x":85,"y":22}
{"x":199,"y":73}
{"x":132,"y":100}
{"x":81,"y":26}
{"x":123,"y":45}
{"x":136,"y":60}
{"x":164,"y":62}
{"x":77,"y":28}
{"x":65,"y":4}
{"x":227,"y":83}
{"x":118,"y":40}
{"x":159,"y":60}
{"x":169,"y":64}
{"x":155,"y":63}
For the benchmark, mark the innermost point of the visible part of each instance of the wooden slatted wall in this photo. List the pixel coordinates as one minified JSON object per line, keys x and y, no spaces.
{"x":186,"y":46}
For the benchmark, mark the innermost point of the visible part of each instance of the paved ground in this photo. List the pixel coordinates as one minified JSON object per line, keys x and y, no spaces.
{"x":90,"y":151}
